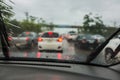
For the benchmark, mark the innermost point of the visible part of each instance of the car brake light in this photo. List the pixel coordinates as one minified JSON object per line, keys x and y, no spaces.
{"x":9,"y":38}
{"x":40,"y":39}
{"x":27,"y":39}
{"x":59,"y":56}
{"x":50,"y":33}
{"x":38,"y":55}
{"x":60,"y":40}
{"x":27,"y":33}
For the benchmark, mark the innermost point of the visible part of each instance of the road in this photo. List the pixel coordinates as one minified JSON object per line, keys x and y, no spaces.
{"x":70,"y":52}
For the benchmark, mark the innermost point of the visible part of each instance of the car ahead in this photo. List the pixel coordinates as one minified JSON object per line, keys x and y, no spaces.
{"x":63,"y":35}
{"x":39,"y":34}
{"x":25,"y":40}
{"x":86,"y":41}
{"x":112,"y":50}
{"x":71,"y":36}
{"x":50,"y":41}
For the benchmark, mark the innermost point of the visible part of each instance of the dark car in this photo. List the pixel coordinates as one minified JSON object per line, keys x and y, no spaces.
{"x":99,"y":37}
{"x":86,"y":41}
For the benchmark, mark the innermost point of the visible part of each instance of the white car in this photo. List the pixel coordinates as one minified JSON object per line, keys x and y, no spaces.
{"x":112,"y":50}
{"x":50,"y":41}
{"x":71,"y":36}
{"x":39,"y":34}
{"x":111,"y":53}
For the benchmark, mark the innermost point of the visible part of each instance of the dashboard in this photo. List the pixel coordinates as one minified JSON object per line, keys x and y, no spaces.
{"x":56,"y":71}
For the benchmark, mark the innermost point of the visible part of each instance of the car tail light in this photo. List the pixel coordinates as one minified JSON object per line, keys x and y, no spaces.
{"x":27,"y":39}
{"x":59,"y":56}
{"x":9,"y":38}
{"x":60,"y":40}
{"x":40,"y":39}
{"x":25,"y":54}
{"x":27,"y":33}
{"x":38,"y":55}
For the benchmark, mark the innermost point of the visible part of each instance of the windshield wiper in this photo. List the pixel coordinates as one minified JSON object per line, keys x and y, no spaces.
{"x":97,"y":51}
{"x":4,"y":37}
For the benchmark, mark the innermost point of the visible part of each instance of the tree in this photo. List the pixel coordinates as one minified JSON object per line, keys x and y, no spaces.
{"x":29,"y":23}
{"x":32,"y":23}
{"x":99,"y":26}
{"x":27,"y":16}
{"x":6,"y":12}
{"x":46,"y":26}
{"x":93,"y":25}
{"x":14,"y":26}
{"x":6,"y":9}
{"x":86,"y":23}
{"x":51,"y":26}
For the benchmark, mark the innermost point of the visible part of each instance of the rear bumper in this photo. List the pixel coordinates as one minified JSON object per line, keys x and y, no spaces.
{"x":50,"y":46}
{"x":87,"y":45}
{"x":23,"y":45}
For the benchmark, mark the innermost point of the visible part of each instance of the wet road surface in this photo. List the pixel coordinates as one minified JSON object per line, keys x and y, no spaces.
{"x":70,"y":52}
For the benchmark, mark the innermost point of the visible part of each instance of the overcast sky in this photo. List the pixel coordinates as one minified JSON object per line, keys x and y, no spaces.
{"x":68,"y":11}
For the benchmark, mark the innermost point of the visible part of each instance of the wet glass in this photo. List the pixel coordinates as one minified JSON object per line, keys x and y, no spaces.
{"x":78,"y":40}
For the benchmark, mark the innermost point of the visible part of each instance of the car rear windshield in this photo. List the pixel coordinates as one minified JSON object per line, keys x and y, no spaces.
{"x":73,"y":34}
{"x":86,"y":36}
{"x":25,"y":35}
{"x":52,"y":35}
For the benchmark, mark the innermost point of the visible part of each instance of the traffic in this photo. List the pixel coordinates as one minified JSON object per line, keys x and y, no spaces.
{"x":67,"y":46}
{"x":50,"y":40}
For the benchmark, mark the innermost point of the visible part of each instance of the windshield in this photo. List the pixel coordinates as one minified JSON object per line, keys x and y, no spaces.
{"x":69,"y":30}
{"x":26,"y":34}
{"x":50,"y":35}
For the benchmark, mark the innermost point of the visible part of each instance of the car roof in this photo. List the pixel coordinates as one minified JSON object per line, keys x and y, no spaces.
{"x":50,"y":31}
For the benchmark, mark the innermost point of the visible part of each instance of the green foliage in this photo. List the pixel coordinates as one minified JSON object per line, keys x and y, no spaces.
{"x":6,"y":9}
{"x":14,"y":27}
{"x":30,"y":23}
{"x":30,"y":26}
{"x":93,"y":25}
{"x":86,"y":25}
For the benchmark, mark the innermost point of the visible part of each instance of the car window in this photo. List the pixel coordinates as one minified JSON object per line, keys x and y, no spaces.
{"x":79,"y":37}
{"x":72,"y":34}
{"x":86,"y":36}
{"x":50,"y":35}
{"x":26,"y":35}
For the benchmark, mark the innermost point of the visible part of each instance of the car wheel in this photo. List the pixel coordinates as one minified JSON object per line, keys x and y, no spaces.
{"x":30,"y":45}
{"x":108,"y":55}
{"x":33,"y":44}
{"x":75,"y":45}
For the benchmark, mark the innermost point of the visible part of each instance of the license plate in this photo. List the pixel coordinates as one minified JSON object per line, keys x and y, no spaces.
{"x":49,"y":40}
